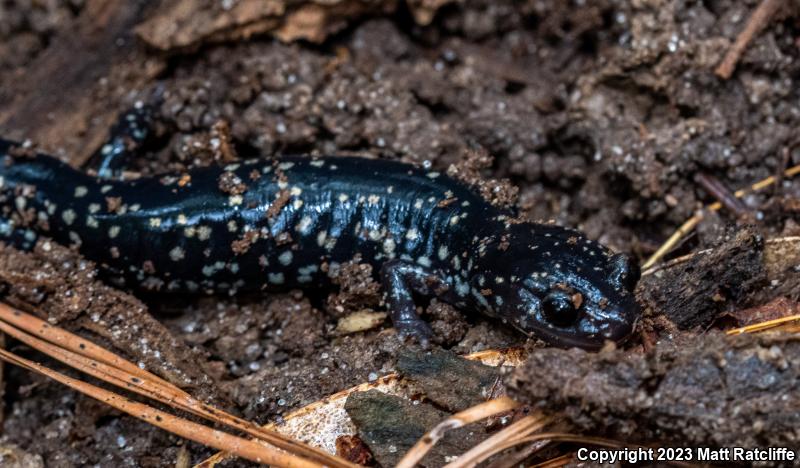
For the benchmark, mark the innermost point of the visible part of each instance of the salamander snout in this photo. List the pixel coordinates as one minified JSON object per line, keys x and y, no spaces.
{"x":568,"y":316}
{"x":570,"y":312}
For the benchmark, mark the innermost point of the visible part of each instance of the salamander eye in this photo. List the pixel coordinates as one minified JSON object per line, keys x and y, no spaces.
{"x":561,"y":308}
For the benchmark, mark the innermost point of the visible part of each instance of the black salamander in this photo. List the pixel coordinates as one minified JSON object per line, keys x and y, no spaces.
{"x":289,"y":223}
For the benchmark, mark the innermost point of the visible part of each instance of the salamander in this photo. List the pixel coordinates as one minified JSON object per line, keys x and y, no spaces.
{"x":290,"y":222}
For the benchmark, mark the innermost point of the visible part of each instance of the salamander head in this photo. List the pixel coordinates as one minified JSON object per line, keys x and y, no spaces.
{"x":556,"y":284}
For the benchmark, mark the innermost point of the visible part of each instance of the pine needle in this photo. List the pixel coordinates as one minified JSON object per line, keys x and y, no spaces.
{"x":518,"y":430}
{"x":555,"y":462}
{"x":762,"y":326}
{"x":109,"y":367}
{"x":245,"y":448}
{"x":460,"y":419}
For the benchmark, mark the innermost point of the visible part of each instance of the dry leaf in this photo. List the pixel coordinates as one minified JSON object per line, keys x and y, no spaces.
{"x":360,"y":321}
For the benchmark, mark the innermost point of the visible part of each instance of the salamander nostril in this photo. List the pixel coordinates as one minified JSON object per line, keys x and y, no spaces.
{"x":560,"y":308}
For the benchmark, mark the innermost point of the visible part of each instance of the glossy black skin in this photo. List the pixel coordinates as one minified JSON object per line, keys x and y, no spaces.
{"x":422,"y":231}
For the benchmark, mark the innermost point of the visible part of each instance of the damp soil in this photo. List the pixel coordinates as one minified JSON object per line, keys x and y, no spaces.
{"x":595,"y":115}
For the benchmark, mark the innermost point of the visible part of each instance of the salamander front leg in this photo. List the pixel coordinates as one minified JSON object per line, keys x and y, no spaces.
{"x":400,"y":279}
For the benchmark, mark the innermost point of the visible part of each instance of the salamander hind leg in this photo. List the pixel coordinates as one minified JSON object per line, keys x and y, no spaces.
{"x":127,"y":138}
{"x":400,"y":280}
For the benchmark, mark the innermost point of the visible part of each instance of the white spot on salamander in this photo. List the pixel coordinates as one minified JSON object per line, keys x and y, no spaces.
{"x":304,"y":226}
{"x":81,"y":191}
{"x":443,"y":252}
{"x":75,"y":238}
{"x":94,"y":207}
{"x":375,"y":235}
{"x":321,"y":238}
{"x":412,"y":234}
{"x":308,"y":269}
{"x":155,"y":222}
{"x":113,"y":231}
{"x":177,"y":254}
{"x":285,"y":258}
{"x":462,"y":289}
{"x":234,"y":200}
{"x":330,"y":243}
{"x":68,"y":216}
{"x":203,"y":233}
{"x":275,"y":278}
{"x":424,"y":261}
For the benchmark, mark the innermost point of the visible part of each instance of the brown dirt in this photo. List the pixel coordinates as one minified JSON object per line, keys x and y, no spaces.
{"x":595,"y":116}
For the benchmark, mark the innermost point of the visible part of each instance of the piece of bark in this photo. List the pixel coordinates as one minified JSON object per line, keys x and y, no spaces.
{"x":391,"y":425}
{"x":448,"y":380}
{"x":707,"y":286}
